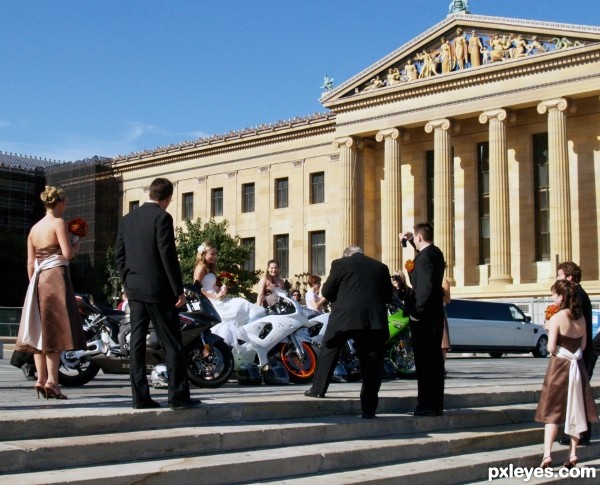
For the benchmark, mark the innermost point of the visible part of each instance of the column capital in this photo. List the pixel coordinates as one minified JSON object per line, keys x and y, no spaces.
{"x":393,"y":133}
{"x":500,"y":114}
{"x":348,"y":142}
{"x":442,"y":124}
{"x":560,"y":104}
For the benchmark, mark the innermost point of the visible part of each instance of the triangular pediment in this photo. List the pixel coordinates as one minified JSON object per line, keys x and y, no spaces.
{"x":460,"y":44}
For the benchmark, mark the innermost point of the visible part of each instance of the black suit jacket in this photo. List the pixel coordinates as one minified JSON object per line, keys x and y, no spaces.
{"x":586,"y":307}
{"x":358,"y":288}
{"x":146,"y":256}
{"x":426,"y":300}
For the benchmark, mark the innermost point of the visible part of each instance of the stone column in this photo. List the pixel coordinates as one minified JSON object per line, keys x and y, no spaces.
{"x":558,"y":168}
{"x":349,"y":147}
{"x":442,"y":191}
{"x":391,"y":198}
{"x":499,"y":202}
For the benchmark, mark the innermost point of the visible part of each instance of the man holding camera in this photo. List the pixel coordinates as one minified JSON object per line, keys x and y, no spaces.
{"x":426,"y":310}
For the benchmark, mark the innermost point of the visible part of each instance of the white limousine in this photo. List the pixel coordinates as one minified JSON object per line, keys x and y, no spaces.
{"x":494,"y":328}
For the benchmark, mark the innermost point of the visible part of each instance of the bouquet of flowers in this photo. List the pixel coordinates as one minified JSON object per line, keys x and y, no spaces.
{"x":551,"y":310}
{"x":409,"y":265}
{"x":227,"y":279}
{"x":78,"y":228}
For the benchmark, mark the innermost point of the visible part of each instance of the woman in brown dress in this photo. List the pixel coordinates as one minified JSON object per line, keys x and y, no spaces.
{"x":566,"y":396}
{"x":50,"y":321}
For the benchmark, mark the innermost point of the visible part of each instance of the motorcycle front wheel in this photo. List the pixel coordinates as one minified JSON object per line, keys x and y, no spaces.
{"x":299,"y":368}
{"x":402,"y":356}
{"x":74,"y":372}
{"x":209,"y":366}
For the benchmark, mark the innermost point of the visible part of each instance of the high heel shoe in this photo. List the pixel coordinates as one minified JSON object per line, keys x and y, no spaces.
{"x":546,"y":462}
{"x":39,"y":388}
{"x":53,"y":392}
{"x":571,"y":462}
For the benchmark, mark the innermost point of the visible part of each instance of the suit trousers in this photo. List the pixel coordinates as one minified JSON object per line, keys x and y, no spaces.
{"x":165,"y":320}
{"x":429,"y":363}
{"x":370,"y":349}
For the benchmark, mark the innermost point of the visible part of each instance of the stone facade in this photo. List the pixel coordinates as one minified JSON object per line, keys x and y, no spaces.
{"x":372,"y":150}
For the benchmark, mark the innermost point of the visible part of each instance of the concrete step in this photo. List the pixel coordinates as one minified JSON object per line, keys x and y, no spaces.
{"x":467,"y":468}
{"x":55,"y":419}
{"x":285,"y":460}
{"x":46,"y":453}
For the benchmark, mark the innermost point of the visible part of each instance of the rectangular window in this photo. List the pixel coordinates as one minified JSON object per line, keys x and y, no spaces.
{"x":247,"y":197}
{"x":187,"y":206}
{"x":317,"y":188}
{"x":133,"y":205}
{"x":483,"y":164}
{"x":216,"y":196}
{"x":282,"y":254}
{"x":250,"y":263}
{"x":317,"y":253}
{"x":542,"y":197}
{"x":281,"y":193}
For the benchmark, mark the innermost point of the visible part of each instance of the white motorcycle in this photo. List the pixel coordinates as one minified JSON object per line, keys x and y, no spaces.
{"x":268,"y":347}
{"x":348,"y":366}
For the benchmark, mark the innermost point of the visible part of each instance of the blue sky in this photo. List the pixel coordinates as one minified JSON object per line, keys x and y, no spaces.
{"x":81,"y":78}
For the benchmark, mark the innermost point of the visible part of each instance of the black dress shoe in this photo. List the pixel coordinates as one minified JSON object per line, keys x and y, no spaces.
{"x":368,"y":416}
{"x":191,"y":403}
{"x":565,"y":439}
{"x":146,"y":404}
{"x":29,"y":372}
{"x":311,"y":393}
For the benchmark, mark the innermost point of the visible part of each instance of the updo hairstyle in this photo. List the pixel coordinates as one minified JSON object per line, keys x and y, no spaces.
{"x":52,"y":196}
{"x":570,"y":298}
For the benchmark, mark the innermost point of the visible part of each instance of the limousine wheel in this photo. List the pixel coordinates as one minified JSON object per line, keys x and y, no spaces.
{"x":541,"y":349}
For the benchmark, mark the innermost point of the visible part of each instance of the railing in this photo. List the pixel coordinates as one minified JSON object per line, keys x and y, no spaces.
{"x":9,"y":321}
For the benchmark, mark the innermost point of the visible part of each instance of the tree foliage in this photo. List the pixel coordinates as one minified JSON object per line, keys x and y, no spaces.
{"x":231,"y":254}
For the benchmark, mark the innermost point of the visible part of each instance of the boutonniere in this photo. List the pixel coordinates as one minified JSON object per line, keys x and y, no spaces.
{"x":551,"y":310}
{"x":409,"y":265}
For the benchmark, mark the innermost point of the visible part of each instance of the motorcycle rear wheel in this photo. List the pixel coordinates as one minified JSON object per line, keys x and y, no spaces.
{"x":402,"y":356}
{"x":76,"y":372}
{"x":210,"y":370}
{"x":299,"y":368}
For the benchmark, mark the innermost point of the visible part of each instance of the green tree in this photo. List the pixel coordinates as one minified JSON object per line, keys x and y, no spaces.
{"x":232,"y":254}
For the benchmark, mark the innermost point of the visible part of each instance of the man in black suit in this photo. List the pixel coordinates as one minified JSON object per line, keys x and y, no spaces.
{"x":570,"y":271}
{"x":359,"y":288}
{"x":147,"y":259}
{"x":426,"y":310}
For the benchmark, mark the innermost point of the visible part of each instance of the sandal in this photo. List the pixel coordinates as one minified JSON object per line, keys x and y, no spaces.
{"x":571,"y":462}
{"x":546,"y":462}
{"x":39,"y":388}
{"x":53,"y":391}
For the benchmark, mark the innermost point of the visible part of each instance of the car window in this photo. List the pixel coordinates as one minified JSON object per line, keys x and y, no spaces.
{"x":517,"y":314}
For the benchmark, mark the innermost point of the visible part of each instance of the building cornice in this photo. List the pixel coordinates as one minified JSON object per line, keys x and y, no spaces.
{"x":264,"y":135}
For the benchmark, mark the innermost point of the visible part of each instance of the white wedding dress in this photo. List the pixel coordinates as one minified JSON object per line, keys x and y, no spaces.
{"x":234,"y":312}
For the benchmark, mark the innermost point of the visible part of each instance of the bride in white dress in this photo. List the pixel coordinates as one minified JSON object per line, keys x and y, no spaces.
{"x":234,"y":312}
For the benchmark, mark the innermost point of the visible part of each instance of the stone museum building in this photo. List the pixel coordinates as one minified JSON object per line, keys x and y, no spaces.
{"x":489,"y":128}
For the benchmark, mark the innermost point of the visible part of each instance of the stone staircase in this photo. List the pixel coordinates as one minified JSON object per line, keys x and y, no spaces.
{"x":291,"y":440}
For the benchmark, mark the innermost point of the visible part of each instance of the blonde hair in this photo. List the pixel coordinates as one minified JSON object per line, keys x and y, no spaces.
{"x":200,"y":259}
{"x":52,"y":196}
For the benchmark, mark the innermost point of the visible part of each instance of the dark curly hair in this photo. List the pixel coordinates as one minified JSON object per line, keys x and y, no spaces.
{"x":570,"y":298}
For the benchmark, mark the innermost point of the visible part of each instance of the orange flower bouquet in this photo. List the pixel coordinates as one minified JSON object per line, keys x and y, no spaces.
{"x":550,"y":311}
{"x":78,"y":228}
{"x":409,"y":265}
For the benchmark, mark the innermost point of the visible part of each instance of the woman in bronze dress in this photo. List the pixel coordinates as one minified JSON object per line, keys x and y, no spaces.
{"x":50,"y":321}
{"x":566,"y":396}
